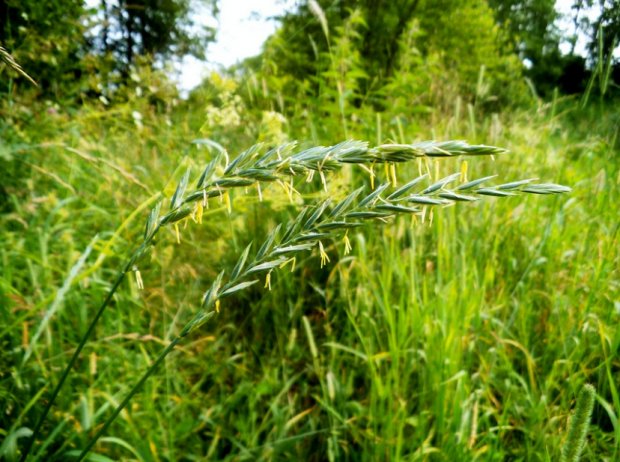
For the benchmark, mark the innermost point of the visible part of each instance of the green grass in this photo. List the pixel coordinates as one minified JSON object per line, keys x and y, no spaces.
{"x":467,"y":337}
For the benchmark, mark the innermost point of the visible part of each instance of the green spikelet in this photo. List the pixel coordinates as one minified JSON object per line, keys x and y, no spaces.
{"x":578,"y":428}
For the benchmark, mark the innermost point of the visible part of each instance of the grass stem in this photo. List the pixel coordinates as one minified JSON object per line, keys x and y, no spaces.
{"x":72,"y":361}
{"x":152,"y":368}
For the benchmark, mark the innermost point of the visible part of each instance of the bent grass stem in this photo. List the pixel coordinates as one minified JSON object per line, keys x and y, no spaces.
{"x":307,"y":230}
{"x":152,"y":368}
{"x":253,"y":167}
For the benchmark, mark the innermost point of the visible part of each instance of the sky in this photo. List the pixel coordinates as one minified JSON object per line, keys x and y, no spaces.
{"x":242,"y":28}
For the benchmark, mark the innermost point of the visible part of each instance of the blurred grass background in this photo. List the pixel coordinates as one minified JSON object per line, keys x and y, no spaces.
{"x":464,"y":337}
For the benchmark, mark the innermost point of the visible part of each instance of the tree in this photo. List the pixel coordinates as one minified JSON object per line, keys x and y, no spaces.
{"x":460,"y":35}
{"x":60,"y":41}
{"x":530,"y":26}
{"x":46,"y":38}
{"x":604,"y":31}
{"x":302,"y":38}
{"x":160,"y":29}
{"x":532,"y":31}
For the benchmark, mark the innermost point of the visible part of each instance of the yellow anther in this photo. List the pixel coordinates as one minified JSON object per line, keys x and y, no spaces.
{"x":347,"y":244}
{"x":139,"y":281}
{"x":268,"y":281}
{"x":324,"y":256}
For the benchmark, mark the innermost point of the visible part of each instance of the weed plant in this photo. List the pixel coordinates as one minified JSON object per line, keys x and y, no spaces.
{"x":463,"y":337}
{"x":309,"y":229}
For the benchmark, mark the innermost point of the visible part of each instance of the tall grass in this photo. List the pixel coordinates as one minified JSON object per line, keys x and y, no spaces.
{"x":462,"y":337}
{"x":253,"y":167}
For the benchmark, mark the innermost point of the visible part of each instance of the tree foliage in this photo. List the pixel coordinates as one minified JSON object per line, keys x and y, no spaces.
{"x":46,"y":38}
{"x":530,"y":26}
{"x":354,"y":52}
{"x":533,"y":32}
{"x":156,"y":28}
{"x":604,"y":30}
{"x":60,"y":42}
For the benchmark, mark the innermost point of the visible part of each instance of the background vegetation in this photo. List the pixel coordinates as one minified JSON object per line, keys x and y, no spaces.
{"x":466,"y":336}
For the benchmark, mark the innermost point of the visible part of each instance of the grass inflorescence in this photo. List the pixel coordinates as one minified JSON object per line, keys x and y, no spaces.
{"x":313,"y":225}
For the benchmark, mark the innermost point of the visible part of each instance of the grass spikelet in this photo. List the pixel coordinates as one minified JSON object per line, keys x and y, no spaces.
{"x":578,"y":427}
{"x":313,"y":225}
{"x":8,"y":59}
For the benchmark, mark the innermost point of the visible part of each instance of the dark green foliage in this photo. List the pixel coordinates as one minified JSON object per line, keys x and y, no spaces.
{"x":75,"y":52}
{"x":530,"y":26}
{"x":604,"y":30}
{"x":47,"y":39}
{"x":157,"y":28}
{"x":355,"y":53}
{"x":452,"y":332}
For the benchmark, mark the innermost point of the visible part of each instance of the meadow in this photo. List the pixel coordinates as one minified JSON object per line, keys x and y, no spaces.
{"x":463,"y":331}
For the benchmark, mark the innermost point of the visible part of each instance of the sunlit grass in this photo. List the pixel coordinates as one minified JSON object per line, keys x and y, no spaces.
{"x":464,"y":337}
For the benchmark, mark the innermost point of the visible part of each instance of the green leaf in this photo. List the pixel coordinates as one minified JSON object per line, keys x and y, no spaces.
{"x":345,"y":203}
{"x":240,"y":263}
{"x":292,"y":248}
{"x":373,"y":195}
{"x":474,"y":183}
{"x":8,"y":449}
{"x":238,"y":287}
{"x":482,"y":150}
{"x":258,"y":174}
{"x":268,"y":242}
{"x":403,"y":189}
{"x":294,"y":226}
{"x":202,"y":194}
{"x":363,"y":215}
{"x":397,"y":208}
{"x":416,"y":199}
{"x":199,"y":319}
{"x":318,"y":211}
{"x":441,"y":149}
{"x":90,"y":457}
{"x":212,"y":294}
{"x":312,"y":236}
{"x":175,"y":215}
{"x":312,"y":156}
{"x":441,"y":183}
{"x":177,"y":197}
{"x":351,"y":151}
{"x":546,"y":188}
{"x":241,"y":158}
{"x":493,"y":192}
{"x":208,"y":171}
{"x":151,"y":221}
{"x":338,"y":225}
{"x":211,"y":144}
{"x":397,"y":152}
{"x":233,"y":182}
{"x":515,"y":184}
{"x":456,"y":197}
{"x":266,"y":265}
{"x":282,"y":151}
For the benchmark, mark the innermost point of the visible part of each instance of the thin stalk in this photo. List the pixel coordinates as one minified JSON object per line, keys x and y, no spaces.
{"x":119,"y":279}
{"x":6,"y":57}
{"x":254,"y":167}
{"x":306,"y":231}
{"x":130,"y":395}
